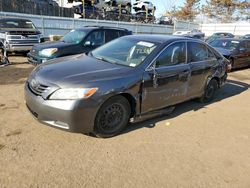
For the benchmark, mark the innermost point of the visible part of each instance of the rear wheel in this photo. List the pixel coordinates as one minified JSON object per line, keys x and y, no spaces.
{"x":112,"y":117}
{"x":210,"y":91}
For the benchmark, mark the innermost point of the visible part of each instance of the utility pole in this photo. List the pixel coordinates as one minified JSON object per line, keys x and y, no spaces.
{"x":83,"y":8}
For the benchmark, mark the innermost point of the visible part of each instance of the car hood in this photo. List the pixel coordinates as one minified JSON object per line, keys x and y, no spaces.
{"x":224,"y":52}
{"x":54,"y":44}
{"x":78,"y":70}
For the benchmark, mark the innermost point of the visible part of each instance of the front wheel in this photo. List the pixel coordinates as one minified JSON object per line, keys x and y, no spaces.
{"x":210,"y":91}
{"x":112,"y":117}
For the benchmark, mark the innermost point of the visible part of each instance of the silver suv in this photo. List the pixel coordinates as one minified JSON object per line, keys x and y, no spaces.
{"x":18,"y":35}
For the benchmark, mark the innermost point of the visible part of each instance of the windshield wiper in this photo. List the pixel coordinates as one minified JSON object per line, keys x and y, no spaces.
{"x":108,"y":60}
{"x":105,"y":60}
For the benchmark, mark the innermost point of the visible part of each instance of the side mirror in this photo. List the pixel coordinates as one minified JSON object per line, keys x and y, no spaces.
{"x":88,"y":44}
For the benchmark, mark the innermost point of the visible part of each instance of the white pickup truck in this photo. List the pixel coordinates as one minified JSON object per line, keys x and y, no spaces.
{"x":18,"y":35}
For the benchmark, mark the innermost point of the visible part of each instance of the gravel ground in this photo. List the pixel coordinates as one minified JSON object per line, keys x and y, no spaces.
{"x":197,"y":146}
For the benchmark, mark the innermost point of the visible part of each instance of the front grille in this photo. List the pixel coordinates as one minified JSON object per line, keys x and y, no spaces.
{"x":23,"y":32}
{"x":22,"y":37}
{"x":38,"y":89}
{"x":32,"y":60}
{"x":23,"y":41}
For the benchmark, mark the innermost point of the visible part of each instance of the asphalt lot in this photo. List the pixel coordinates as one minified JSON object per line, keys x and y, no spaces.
{"x":197,"y":146}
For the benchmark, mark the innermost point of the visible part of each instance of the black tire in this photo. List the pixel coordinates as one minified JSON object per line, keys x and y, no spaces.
{"x":210,"y":91}
{"x":112,"y":117}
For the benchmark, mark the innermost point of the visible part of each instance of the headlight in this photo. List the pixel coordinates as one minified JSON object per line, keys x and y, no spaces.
{"x":48,"y":52}
{"x":73,"y":93}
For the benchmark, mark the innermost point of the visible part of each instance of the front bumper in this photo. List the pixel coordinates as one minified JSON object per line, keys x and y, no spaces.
{"x":36,"y":60}
{"x":71,"y":115}
{"x":19,"y":48}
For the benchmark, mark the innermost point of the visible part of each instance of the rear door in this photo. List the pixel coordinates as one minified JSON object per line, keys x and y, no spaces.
{"x":203,"y":64}
{"x":167,"y":83}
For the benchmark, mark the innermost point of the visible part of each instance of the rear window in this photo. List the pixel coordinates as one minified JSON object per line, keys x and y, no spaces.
{"x":25,"y":24}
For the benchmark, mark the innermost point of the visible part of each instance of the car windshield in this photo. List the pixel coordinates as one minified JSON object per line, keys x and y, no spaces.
{"x":124,"y":51}
{"x":74,"y":36}
{"x":227,"y":44}
{"x":24,"y":24}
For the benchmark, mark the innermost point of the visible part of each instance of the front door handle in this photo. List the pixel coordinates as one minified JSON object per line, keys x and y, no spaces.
{"x":183,"y":75}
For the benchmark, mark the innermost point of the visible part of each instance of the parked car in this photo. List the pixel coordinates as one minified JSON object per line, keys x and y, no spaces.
{"x":77,"y":41}
{"x":140,"y":16}
{"x":218,"y":36}
{"x":89,"y":11}
{"x":165,"y":20}
{"x":130,"y":77}
{"x":195,"y":33}
{"x":18,"y":35}
{"x":247,"y":36}
{"x":235,"y":50}
{"x":119,"y":2}
{"x":143,"y":5}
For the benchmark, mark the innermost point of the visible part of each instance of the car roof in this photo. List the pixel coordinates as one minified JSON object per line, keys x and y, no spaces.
{"x":158,"y":38}
{"x":223,"y":33}
{"x":100,"y":27}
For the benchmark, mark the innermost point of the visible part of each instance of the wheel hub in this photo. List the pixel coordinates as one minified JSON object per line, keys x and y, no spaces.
{"x":111,"y":117}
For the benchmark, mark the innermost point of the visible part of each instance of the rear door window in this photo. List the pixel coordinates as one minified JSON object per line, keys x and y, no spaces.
{"x":197,"y":52}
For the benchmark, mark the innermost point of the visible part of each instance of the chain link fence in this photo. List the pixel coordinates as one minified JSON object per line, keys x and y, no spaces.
{"x":31,"y":7}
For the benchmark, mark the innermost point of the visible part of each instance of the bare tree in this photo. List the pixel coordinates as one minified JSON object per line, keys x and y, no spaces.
{"x":226,"y":10}
{"x":188,"y":12}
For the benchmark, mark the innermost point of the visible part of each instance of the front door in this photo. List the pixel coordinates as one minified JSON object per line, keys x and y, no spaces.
{"x":94,"y":40}
{"x":167,"y":83}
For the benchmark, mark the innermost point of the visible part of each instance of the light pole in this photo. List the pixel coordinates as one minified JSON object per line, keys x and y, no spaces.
{"x":83,"y":8}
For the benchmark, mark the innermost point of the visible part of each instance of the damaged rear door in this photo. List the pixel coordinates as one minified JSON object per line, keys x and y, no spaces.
{"x":166,"y":79}
{"x":203,"y":65}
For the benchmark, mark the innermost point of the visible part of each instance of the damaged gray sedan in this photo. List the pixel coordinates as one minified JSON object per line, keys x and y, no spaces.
{"x":128,"y":78}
